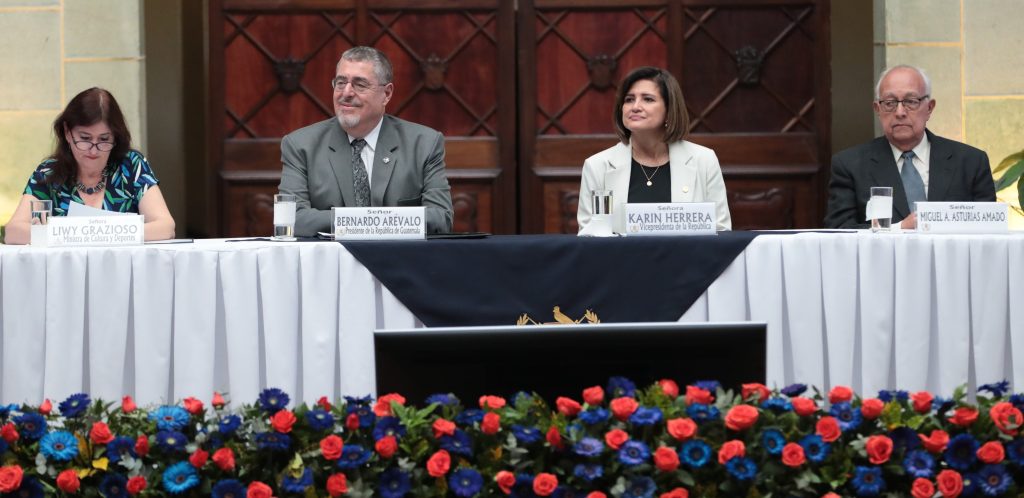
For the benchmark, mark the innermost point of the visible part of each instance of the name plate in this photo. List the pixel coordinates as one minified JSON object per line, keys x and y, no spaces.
{"x":962,"y":217}
{"x":67,"y":231}
{"x":672,"y":218}
{"x":380,"y":223}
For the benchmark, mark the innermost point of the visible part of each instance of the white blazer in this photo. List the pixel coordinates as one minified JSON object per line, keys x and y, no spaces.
{"x":696,"y":177}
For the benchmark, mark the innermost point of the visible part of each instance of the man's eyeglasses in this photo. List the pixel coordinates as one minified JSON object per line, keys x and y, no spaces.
{"x":359,"y":85}
{"x":86,"y":146}
{"x":910,"y":104}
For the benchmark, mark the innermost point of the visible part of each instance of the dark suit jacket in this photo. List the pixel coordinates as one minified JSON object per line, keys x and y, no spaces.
{"x":408,"y":170}
{"x":956,"y":172}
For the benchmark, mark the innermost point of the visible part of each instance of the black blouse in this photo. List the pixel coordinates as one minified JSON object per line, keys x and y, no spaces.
{"x":660,"y":189}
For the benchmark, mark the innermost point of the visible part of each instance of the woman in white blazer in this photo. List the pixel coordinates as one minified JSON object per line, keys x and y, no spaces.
{"x":653,"y":162}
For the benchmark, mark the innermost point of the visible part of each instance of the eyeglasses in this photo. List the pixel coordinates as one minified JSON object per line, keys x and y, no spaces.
{"x":359,"y":85}
{"x":86,"y":146}
{"x":910,"y":104}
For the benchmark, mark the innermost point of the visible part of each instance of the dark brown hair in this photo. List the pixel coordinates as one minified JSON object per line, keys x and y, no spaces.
{"x":677,"y":121}
{"x":86,"y":109}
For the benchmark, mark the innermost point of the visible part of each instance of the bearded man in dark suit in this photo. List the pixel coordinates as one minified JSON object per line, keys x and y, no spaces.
{"x":916,"y":163}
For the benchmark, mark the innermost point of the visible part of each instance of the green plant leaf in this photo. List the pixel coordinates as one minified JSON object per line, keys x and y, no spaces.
{"x":1012,"y":174}
{"x":1020,"y":193}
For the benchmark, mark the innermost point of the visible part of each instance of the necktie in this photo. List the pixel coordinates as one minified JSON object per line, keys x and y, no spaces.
{"x":360,"y":180}
{"x":912,"y":182}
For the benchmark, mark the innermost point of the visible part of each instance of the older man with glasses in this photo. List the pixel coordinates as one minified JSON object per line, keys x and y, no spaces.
{"x":362,"y":156}
{"x":917,"y":164}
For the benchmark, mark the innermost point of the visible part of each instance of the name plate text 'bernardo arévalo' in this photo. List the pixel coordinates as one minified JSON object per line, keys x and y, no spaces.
{"x":380,"y":223}
{"x":675,"y":218}
{"x":95,"y":230}
{"x":962,"y":217}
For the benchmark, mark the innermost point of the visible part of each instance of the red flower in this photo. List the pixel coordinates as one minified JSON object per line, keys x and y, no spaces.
{"x":793,"y":455}
{"x":922,"y":402}
{"x":443,"y":427}
{"x":224,"y":459}
{"x":352,"y":422}
{"x":282,"y":421}
{"x":46,"y":407}
{"x":330,"y":447}
{"x":1007,"y":418}
{"x":259,"y":490}
{"x":991,"y":452}
{"x":491,"y":423}
{"x":879,"y":449}
{"x":323,"y":403}
{"x":623,"y":407}
{"x":505,"y":480}
{"x":804,"y":407}
{"x":192,"y":405}
{"x":142,"y":445}
{"x":731,"y":449}
{"x":669,"y":387}
{"x":695,"y":394}
{"x":386,"y":446}
{"x":135,"y":485}
{"x":760,"y":390}
{"x":128,"y":404}
{"x":828,"y":428}
{"x":615,"y":438}
{"x":951,"y":484}
{"x":439,"y":463}
{"x":741,"y":417}
{"x":830,"y":495}
{"x":568,"y":406}
{"x":218,"y":400}
{"x":10,"y":478}
{"x":100,"y":433}
{"x":383,"y":406}
{"x":666,"y":459}
{"x":839,"y":394}
{"x":871,"y":408}
{"x":681,"y":428}
{"x":68,"y":481}
{"x":922,"y":488}
{"x":593,"y":396}
{"x":676,"y":493}
{"x":9,"y":433}
{"x":544,"y":484}
{"x":596,"y":494}
{"x":937,"y":442}
{"x":199,"y":458}
{"x":964,"y":416}
{"x":554,"y":438}
{"x":492,"y":402}
{"x":337,"y":485}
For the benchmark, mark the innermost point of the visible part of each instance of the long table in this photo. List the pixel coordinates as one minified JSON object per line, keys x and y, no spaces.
{"x":162,"y":322}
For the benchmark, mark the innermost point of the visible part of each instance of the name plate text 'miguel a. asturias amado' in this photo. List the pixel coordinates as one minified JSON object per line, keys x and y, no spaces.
{"x":69,"y":231}
{"x":962,"y":217}
{"x":380,"y":223}
{"x":675,"y":218}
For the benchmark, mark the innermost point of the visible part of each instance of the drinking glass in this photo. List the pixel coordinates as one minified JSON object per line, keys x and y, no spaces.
{"x":284,"y":217}
{"x":879,"y":209}
{"x":602,"y":213}
{"x":41,"y":210}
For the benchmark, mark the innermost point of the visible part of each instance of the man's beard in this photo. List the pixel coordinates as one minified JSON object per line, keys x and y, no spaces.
{"x":348,"y":121}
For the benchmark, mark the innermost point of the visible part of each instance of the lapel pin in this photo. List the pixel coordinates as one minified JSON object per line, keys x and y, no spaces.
{"x":686,"y":189}
{"x":386,"y":160}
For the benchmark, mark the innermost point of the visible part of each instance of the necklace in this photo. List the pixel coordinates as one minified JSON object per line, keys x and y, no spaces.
{"x":651,"y":176}
{"x":93,"y":189}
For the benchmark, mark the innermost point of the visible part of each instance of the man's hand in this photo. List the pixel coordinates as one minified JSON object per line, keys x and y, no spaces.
{"x":910,"y":222}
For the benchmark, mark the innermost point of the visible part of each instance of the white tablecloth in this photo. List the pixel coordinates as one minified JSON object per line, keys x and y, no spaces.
{"x":162,"y":322}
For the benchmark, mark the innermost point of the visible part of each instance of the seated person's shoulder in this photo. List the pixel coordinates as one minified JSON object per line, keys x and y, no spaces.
{"x":607,"y":154}
{"x":856,"y":153}
{"x":313,"y":130}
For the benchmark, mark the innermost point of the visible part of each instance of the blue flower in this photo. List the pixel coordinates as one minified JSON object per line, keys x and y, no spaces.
{"x":5,"y":410}
{"x":961,"y":452}
{"x":229,"y":488}
{"x":619,"y":387}
{"x":75,"y":405}
{"x":273,"y":441}
{"x":30,"y":488}
{"x":458,"y":443}
{"x":113,"y":486}
{"x":119,"y":448}
{"x":848,"y":417}
{"x":646,"y":416}
{"x":59,"y":446}
{"x":890,"y":395}
{"x":1016,"y":399}
{"x":273,"y":400}
{"x":388,"y":426}
{"x":588,"y":447}
{"x":526,"y":435}
{"x":904,"y":439}
{"x":299,"y":484}
{"x":639,"y":487}
{"x":710,"y":386}
{"x":469,"y":417}
{"x":994,"y":480}
{"x":815,"y":448}
{"x":393,"y":483}
{"x":171,"y":441}
{"x":998,"y":389}
{"x":3,"y":446}
{"x":364,"y":400}
{"x":592,"y":416}
{"x":228,"y":425}
{"x":634,"y":453}
{"x":773,"y":441}
{"x":777,"y":405}
{"x":971,"y":484}
{"x":741,"y":468}
{"x":443,"y":399}
{"x":170,"y":418}
{"x":1014,"y":452}
{"x":319,"y":419}
{"x":919,"y":463}
{"x":31,"y":426}
{"x":588,"y":471}
{"x":867,"y":481}
{"x":353,"y":456}
{"x":702,"y":413}
{"x":465,"y":482}
{"x":941,"y":405}
{"x":180,"y":477}
{"x":694,"y":453}
{"x":794,"y":390}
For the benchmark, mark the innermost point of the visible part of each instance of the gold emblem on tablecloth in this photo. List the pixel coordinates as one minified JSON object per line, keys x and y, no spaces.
{"x":560,"y":317}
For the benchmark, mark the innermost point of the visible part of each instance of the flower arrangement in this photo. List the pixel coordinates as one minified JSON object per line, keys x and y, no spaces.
{"x":614,"y":440}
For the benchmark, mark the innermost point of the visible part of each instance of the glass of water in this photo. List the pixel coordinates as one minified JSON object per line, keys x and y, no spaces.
{"x":41,"y":210}
{"x":284,"y":217}
{"x":602,"y":213}
{"x":879,"y":209}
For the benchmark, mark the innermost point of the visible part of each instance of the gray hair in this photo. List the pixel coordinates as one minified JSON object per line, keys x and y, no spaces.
{"x":381,"y":63}
{"x":927,"y":80}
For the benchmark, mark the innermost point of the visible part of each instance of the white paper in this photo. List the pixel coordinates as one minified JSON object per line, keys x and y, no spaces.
{"x":79,"y":209}
{"x":879,"y":207}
